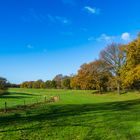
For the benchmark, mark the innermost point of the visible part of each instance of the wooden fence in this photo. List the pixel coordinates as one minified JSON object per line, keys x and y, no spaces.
{"x":27,"y":106}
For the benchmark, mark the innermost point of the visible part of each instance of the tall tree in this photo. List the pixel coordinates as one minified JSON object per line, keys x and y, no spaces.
{"x":131,"y":71}
{"x":114,"y":56}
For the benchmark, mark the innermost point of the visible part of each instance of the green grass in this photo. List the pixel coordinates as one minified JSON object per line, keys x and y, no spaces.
{"x":79,"y":115}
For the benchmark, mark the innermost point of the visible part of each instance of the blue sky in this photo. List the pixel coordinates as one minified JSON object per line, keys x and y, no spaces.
{"x":42,"y":38}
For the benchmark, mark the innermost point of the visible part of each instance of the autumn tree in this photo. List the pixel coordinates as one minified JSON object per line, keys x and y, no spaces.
{"x":101,"y":75}
{"x":84,"y":79}
{"x":92,"y":76}
{"x":131,"y":71}
{"x":24,"y":85}
{"x":74,"y":84}
{"x":30,"y":84}
{"x":114,"y":56}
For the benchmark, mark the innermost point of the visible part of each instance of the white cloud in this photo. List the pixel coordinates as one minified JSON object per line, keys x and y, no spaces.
{"x":125,"y":36}
{"x":92,"y":10}
{"x":106,"y":38}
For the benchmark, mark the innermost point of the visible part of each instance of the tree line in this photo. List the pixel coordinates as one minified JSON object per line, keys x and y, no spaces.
{"x":59,"y":82}
{"x":117,"y":68}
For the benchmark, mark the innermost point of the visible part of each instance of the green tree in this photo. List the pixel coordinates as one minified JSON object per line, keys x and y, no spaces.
{"x":3,"y":85}
{"x":53,"y":84}
{"x":58,"y":79}
{"x":37,"y":84}
{"x":66,"y":82}
{"x":43,"y":85}
{"x":48,"y":84}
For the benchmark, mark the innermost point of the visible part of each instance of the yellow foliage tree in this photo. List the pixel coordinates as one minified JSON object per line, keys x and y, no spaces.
{"x":130,"y":73}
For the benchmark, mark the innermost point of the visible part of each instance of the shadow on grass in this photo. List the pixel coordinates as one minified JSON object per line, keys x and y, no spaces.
{"x":53,"y":112}
{"x":16,"y":95}
{"x":99,"y":116}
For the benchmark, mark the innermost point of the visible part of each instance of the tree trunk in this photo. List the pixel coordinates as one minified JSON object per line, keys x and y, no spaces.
{"x":118,"y":87}
{"x":100,"y":90}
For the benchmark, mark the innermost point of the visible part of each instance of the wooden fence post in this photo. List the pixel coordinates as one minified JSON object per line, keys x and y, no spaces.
{"x":45,"y":98}
{"x":24,"y":102}
{"x":24,"y":105}
{"x":5,"y":107}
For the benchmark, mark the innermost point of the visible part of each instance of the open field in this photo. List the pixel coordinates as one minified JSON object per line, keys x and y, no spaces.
{"x":79,"y":115}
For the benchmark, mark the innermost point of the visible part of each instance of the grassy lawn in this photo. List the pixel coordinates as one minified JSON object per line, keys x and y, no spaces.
{"x":79,"y":115}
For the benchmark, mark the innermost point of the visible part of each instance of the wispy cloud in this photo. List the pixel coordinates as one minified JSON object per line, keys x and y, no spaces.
{"x":102,"y":38}
{"x":33,"y":16}
{"x":92,"y":10}
{"x":91,"y":38}
{"x":59,"y":19}
{"x":29,"y":46}
{"x":63,"y":20}
{"x":105,"y":38}
{"x":51,"y":18}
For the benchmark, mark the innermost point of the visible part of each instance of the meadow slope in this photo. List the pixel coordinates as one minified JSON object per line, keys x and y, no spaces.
{"x":79,"y":115}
